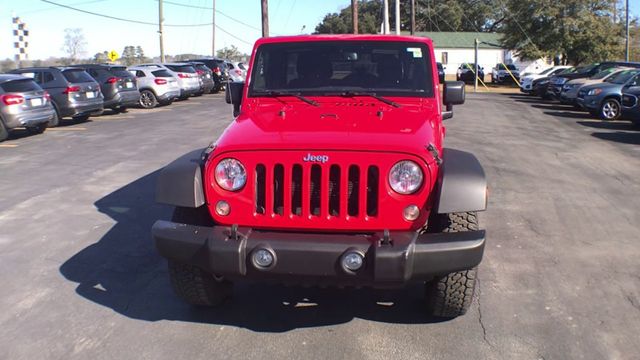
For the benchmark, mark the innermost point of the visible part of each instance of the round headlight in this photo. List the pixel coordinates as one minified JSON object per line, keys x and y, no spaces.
{"x":405,"y":177}
{"x":230,"y":174}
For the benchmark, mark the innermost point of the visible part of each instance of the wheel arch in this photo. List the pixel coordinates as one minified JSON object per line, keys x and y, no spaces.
{"x":181,"y":183}
{"x":462,"y":183}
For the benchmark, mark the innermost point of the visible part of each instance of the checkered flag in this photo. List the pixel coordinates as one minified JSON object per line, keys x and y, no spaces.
{"x":21,"y":39}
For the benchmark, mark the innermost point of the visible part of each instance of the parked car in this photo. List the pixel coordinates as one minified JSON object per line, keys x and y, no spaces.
{"x":218,"y":72}
{"x":74,"y":93}
{"x":234,"y":73}
{"x":23,"y":104}
{"x":188,"y":78}
{"x":631,"y":102}
{"x":157,"y":86}
{"x":206,"y":76}
{"x":242,"y":66}
{"x":440,"y":72}
{"x":526,"y":82}
{"x":466,"y":72}
{"x":585,"y":72}
{"x":117,"y":84}
{"x":502,"y":73}
{"x":570,"y":89}
{"x":307,"y":202}
{"x":604,"y":100}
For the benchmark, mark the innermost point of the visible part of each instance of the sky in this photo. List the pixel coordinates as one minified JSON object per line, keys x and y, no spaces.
{"x":240,"y":19}
{"x":46,"y":23}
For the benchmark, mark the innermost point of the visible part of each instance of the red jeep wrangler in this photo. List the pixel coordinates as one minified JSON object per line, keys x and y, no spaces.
{"x":332,"y":173}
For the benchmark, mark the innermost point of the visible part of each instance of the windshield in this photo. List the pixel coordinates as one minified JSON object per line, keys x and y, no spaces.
{"x":315,"y":68}
{"x":510,"y":67}
{"x":603,"y":74}
{"x":622,"y":77}
{"x":586,"y":69}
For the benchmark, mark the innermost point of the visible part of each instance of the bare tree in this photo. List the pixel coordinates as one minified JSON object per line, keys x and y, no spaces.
{"x":74,"y":44}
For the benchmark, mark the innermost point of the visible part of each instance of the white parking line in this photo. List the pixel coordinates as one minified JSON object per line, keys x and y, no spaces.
{"x":8,"y":145}
{"x":67,"y":129}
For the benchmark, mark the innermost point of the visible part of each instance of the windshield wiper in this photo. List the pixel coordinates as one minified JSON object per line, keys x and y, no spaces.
{"x":294,"y":94}
{"x":371,"y":94}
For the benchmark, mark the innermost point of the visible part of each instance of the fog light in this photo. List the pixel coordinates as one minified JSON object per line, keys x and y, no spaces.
{"x":223,"y":208}
{"x":263,"y":258}
{"x":352,"y":261}
{"x":411,"y":212}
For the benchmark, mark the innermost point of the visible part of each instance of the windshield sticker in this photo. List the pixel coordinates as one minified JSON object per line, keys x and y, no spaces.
{"x":417,"y":52}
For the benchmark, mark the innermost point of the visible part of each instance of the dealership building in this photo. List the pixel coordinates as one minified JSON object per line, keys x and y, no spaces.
{"x":455,"y":48}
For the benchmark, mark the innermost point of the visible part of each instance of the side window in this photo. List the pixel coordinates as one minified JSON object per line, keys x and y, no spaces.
{"x":47,"y":77}
{"x":635,"y":81}
{"x":140,"y":73}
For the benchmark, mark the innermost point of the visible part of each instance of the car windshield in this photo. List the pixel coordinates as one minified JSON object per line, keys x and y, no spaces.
{"x":77,"y":76}
{"x":586,"y":69}
{"x":510,"y":67}
{"x":603,"y":74}
{"x":21,"y":85}
{"x":622,"y":77}
{"x":319,"y":67}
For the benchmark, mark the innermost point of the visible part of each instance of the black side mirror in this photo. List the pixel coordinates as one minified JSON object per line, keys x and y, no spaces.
{"x":453,"y":94}
{"x":233,"y":95}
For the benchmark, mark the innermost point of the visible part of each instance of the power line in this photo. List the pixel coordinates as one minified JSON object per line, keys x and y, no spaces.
{"x":233,"y":36}
{"x":122,"y":19}
{"x":217,"y":12}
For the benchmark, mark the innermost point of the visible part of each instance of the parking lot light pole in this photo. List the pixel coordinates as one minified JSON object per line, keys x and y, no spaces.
{"x":213,"y":30}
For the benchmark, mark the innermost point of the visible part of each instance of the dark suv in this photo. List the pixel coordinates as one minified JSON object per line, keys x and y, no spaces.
{"x":218,"y":69}
{"x":117,"y":84}
{"x":74,"y":93}
{"x":556,"y":82}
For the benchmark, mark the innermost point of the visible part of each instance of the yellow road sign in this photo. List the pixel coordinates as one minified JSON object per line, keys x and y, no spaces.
{"x":113,"y":55}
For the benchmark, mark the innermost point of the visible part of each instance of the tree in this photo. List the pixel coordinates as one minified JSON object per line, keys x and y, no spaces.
{"x":101,"y":57}
{"x":74,"y":44}
{"x":128,"y":55}
{"x":140,"y":58}
{"x":230,"y":53}
{"x":7,"y":64}
{"x":579,"y":31}
{"x":451,"y":15}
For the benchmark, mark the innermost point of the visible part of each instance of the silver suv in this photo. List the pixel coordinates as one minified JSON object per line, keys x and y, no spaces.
{"x":157,"y":85}
{"x":188,"y":78}
{"x":23,"y":104}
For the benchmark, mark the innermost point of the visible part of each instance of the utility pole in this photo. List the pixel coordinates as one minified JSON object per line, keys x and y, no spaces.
{"x":213,"y":30}
{"x":160,"y":20}
{"x":413,"y":17}
{"x":475,"y":53}
{"x":397,"y":17}
{"x":265,"y":18}
{"x":385,"y":19}
{"x":626,"y":51}
{"x":354,"y":15}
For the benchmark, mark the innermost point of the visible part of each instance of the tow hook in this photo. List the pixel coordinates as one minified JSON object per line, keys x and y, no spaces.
{"x":434,"y":152}
{"x":386,"y":238}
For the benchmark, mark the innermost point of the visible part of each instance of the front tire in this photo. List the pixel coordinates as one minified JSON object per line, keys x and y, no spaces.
{"x":610,"y":110}
{"x":191,"y":283}
{"x":451,"y":295}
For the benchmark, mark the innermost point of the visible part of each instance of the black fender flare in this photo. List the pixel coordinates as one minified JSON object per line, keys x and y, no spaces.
{"x":462,"y":183}
{"x":180,"y":182}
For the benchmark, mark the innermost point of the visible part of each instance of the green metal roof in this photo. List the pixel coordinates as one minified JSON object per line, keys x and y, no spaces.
{"x":462,"y":40}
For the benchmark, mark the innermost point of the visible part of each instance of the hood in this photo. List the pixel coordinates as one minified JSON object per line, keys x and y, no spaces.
{"x":355,"y":124}
{"x":603,"y":86}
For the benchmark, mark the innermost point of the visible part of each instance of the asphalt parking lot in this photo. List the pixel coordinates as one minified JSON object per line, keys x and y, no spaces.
{"x":560,"y":278}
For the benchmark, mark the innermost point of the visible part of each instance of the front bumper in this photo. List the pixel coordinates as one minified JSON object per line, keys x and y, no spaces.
{"x":590,"y":103}
{"x":313,"y":258}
